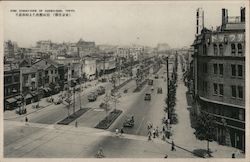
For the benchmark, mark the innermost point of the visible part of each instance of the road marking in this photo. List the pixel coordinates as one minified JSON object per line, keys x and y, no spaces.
{"x":140,"y":125}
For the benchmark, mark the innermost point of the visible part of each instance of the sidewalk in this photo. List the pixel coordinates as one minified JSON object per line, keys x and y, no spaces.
{"x":183,"y":134}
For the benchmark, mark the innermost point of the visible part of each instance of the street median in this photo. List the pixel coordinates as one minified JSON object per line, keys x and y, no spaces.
{"x":109,"y":119}
{"x":73,"y":117}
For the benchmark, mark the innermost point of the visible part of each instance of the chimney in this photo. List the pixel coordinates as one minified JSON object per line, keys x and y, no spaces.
{"x":224,"y":16}
{"x":242,"y":14}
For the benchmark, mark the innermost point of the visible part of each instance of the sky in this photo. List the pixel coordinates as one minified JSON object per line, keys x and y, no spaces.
{"x":116,"y":23}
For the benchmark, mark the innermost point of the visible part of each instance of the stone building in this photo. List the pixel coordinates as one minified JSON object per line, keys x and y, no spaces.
{"x":219,"y":62}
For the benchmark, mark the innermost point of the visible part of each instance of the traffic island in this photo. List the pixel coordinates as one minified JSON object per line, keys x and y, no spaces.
{"x":108,"y":120}
{"x":73,"y":117}
{"x":140,"y":87}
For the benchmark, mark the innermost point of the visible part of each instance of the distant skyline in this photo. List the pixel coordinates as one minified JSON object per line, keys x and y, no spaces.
{"x":115,"y":23}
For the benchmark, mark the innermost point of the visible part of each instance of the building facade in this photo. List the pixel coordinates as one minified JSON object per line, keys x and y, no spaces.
{"x":11,"y":86}
{"x":219,"y":62}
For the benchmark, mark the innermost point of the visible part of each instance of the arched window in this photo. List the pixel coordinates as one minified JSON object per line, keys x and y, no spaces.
{"x":239,"y":46}
{"x":215,"y":50}
{"x":221,"y":49}
{"x":233,"y":49}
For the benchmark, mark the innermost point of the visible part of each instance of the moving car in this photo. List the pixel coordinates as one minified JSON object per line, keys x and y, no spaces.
{"x":129,"y":122}
{"x":100,"y":90}
{"x":159,"y":90}
{"x":147,"y":96}
{"x":92,"y":96}
{"x":150,"y":82}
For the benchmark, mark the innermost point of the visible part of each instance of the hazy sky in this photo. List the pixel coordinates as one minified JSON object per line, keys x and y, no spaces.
{"x":146,"y":23}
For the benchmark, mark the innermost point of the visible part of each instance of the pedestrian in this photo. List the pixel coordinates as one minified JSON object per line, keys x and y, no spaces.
{"x":116,"y":131}
{"x":163,"y":137}
{"x":233,"y":155}
{"x":149,"y":135}
{"x":122,"y":131}
{"x":26,"y":120}
{"x":153,"y":133}
{"x":166,"y":156}
{"x":157,"y":132}
{"x":163,"y":129}
{"x":173,"y":146}
{"x":76,"y":124}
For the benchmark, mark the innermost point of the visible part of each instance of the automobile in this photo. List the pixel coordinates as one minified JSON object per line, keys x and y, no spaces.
{"x":100,"y":90}
{"x":102,"y":80}
{"x":150,"y":82}
{"x":129,"y":122}
{"x":92,"y":96}
{"x":147,"y":96}
{"x":156,"y":76}
{"x":159,"y":90}
{"x":58,"y":101}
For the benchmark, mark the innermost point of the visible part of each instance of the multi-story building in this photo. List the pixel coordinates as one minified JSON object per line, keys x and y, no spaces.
{"x":219,"y":62}
{"x":9,"y":49}
{"x":11,"y":86}
{"x":85,"y":48}
{"x":90,"y":68}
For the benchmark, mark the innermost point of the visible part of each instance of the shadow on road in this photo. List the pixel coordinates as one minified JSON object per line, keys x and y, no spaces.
{"x":201,"y":152}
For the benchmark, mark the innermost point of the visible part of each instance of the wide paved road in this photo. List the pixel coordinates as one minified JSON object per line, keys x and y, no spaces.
{"x":145,"y":111}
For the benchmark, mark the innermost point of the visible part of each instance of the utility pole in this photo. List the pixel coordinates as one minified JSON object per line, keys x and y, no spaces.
{"x":74,"y":99}
{"x":169,"y":115}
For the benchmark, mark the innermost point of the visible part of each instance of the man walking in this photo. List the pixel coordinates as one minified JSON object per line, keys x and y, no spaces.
{"x":173,"y":146}
{"x":122,"y":131}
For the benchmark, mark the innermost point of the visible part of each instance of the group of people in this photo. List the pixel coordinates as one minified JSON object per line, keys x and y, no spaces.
{"x":117,"y":131}
{"x":152,"y":132}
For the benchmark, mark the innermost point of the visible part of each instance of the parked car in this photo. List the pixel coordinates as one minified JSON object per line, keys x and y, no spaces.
{"x":100,"y":90}
{"x":92,"y":96}
{"x":147,"y":96}
{"x":58,"y":101}
{"x":159,"y":90}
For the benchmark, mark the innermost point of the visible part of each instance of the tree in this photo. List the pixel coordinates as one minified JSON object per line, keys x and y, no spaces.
{"x":205,"y":128}
{"x":115,"y":97}
{"x":106,"y":100}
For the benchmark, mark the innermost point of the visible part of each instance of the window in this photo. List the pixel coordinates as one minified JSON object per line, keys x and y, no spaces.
{"x":215,"y":50}
{"x":233,"y":87}
{"x":233,"y":49}
{"x":240,"y":92}
{"x":221,"y":89}
{"x":215,"y":69}
{"x":221,"y":69}
{"x":215,"y":89}
{"x":240,"y":73}
{"x":51,"y":72}
{"x":241,"y":114}
{"x":16,"y":78}
{"x":33,"y":75}
{"x":233,"y":70}
{"x":221,"y":49}
{"x":239,"y":49}
{"x":205,"y":86}
{"x":205,"y":67}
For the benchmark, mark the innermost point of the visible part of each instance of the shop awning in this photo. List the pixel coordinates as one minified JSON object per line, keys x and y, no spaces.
{"x":11,"y":100}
